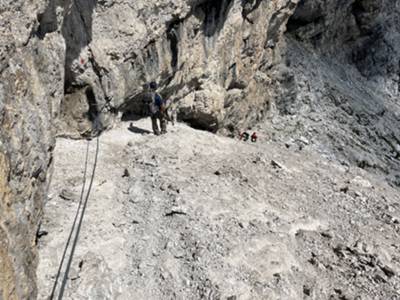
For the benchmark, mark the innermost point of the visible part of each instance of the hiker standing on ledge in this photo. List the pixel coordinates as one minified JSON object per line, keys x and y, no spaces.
{"x":157,"y":110}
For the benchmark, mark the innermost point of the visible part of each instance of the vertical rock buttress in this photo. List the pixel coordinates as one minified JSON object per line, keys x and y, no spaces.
{"x":31,"y":88}
{"x":62,"y":61}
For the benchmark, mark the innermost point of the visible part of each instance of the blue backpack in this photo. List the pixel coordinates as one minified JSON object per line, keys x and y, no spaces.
{"x":155,"y":105}
{"x":158,"y":101}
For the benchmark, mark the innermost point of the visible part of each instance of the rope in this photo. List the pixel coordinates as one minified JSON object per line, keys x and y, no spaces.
{"x":64,"y":282}
{"x":97,"y":127}
{"x":83,"y":204}
{"x":73,"y":224}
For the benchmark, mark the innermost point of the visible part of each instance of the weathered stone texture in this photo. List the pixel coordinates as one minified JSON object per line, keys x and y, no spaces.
{"x":206,"y":55}
{"x":341,"y":81}
{"x":331,"y":79}
{"x":194,"y":49}
{"x":31,"y":86}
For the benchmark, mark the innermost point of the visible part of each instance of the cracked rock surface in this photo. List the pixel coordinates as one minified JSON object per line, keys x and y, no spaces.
{"x":191,"y":215}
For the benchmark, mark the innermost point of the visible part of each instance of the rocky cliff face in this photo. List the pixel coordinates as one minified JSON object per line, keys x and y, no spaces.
{"x":31,"y":87}
{"x":65,"y":64}
{"x":340,"y":87}
{"x":206,"y":56}
{"x":324,"y":73}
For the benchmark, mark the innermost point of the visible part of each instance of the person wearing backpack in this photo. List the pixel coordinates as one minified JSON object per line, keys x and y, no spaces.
{"x":157,"y":108}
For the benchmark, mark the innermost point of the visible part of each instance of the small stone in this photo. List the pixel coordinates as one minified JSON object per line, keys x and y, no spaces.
{"x":327,"y":234}
{"x":150,"y":164}
{"x":126,"y":173}
{"x":176,"y":211}
{"x":360,"y":181}
{"x":67,"y":195}
{"x":73,"y":274}
{"x":379,"y":278}
{"x":304,"y":140}
{"x":276,"y":165}
{"x":41,"y":233}
{"x":389,"y":272}
{"x":306,"y":290}
{"x":173,"y":188}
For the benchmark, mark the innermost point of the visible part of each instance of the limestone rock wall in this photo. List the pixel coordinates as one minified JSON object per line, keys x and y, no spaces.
{"x":31,"y":87}
{"x":206,"y":56}
{"x":339,"y":84}
{"x":72,"y":67}
{"x":325,"y":72}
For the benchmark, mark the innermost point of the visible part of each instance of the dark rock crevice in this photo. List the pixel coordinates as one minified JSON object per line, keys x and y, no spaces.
{"x":248,"y":6}
{"x":48,"y":20}
{"x":278,"y":19}
{"x":199,"y":120}
{"x":77,"y":33}
{"x":173,"y":36}
{"x":215,"y":13}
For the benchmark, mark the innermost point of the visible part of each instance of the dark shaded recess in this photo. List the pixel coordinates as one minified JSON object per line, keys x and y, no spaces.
{"x":306,"y":13}
{"x":136,"y":107}
{"x":236,"y":83}
{"x":93,"y":111}
{"x":173,"y":38}
{"x":198,"y":120}
{"x":364,"y":53}
{"x":365,"y":13}
{"x":372,"y":37}
{"x":47,"y":20}
{"x":216,"y":12}
{"x":248,"y":6}
{"x":358,"y":9}
{"x":77,"y":32}
{"x":296,"y":23}
{"x":277,"y":19}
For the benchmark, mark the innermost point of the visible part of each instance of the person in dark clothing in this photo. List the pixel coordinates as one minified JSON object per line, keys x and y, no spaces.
{"x":157,"y":111}
{"x":244,"y":136}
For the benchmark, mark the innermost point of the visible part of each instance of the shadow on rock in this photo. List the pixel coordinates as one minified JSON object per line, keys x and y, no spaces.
{"x":138,"y":130}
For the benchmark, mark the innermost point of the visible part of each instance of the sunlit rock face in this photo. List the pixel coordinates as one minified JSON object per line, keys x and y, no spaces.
{"x":211,"y":59}
{"x":31,"y":88}
{"x":341,"y":81}
{"x":325,"y":72}
{"x":73,"y":67}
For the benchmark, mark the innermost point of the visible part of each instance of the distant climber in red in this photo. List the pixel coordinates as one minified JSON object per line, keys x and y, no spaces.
{"x":254,"y":137}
